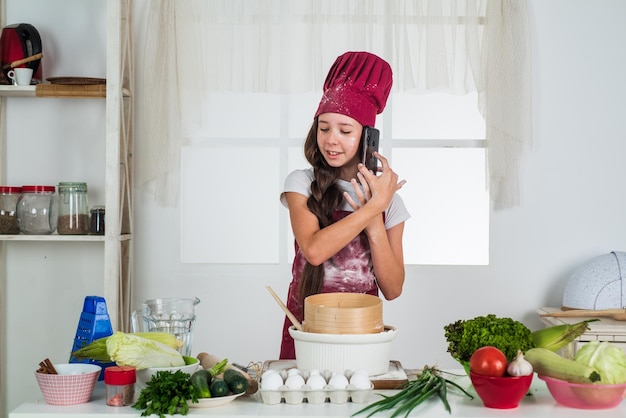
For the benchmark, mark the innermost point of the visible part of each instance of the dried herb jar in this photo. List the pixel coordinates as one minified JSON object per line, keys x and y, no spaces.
{"x":37,"y":210}
{"x":9,"y":197}
{"x":73,"y":209}
{"x":120,"y":385}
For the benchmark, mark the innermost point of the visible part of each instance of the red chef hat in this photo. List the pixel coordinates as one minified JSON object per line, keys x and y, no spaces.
{"x":357,"y":85}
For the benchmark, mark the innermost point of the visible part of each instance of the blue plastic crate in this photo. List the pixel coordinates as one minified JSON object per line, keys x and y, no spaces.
{"x":94,"y":323}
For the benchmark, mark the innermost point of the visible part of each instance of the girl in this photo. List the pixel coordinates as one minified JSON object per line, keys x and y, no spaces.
{"x":347,"y":221}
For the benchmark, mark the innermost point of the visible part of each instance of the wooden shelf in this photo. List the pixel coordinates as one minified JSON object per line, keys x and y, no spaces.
{"x":56,"y":237}
{"x":71,"y":91}
{"x":58,"y":91}
{"x":17,"y":91}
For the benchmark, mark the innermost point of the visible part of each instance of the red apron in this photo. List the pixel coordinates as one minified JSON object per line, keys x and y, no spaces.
{"x":350,"y":270}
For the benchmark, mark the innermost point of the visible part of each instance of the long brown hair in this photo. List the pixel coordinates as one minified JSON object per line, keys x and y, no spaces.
{"x":324,"y":200}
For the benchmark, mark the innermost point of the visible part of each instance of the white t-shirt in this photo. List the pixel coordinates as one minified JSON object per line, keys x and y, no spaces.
{"x":299,"y":181}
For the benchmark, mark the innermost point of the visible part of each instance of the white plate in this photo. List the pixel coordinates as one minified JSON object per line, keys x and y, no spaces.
{"x":213,"y":402}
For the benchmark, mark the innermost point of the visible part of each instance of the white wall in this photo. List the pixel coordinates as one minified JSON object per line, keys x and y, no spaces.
{"x":573,"y":209}
{"x":49,"y":141}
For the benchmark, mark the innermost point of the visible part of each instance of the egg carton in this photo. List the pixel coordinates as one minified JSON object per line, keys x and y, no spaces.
{"x":305,"y":393}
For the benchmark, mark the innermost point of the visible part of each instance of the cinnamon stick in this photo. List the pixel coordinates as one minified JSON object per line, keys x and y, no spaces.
{"x":46,"y":367}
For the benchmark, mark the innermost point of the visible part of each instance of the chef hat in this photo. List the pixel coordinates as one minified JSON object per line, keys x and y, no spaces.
{"x":357,"y":85}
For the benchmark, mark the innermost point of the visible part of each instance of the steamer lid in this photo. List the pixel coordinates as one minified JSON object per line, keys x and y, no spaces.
{"x":598,"y":284}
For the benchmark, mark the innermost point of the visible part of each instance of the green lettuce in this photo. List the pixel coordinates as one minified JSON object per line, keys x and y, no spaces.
{"x":608,"y":359}
{"x":132,"y":350}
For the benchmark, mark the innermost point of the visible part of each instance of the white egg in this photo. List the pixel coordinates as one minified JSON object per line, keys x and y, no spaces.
{"x":292,"y":372}
{"x":360,"y":381}
{"x":295,"y":381}
{"x":271,"y":381}
{"x":316,"y":381}
{"x":338,"y":381}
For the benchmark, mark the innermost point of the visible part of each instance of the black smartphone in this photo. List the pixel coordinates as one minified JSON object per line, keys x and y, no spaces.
{"x":370,"y":138}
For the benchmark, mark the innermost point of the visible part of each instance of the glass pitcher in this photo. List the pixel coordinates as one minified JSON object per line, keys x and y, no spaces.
{"x":173,"y":315}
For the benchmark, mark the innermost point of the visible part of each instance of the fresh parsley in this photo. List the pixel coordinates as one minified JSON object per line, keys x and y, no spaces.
{"x":166,"y":394}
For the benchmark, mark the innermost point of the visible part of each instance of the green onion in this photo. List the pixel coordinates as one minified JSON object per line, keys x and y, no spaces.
{"x":413,"y":393}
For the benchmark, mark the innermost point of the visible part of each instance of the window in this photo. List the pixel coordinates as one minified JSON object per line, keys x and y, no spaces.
{"x":432,"y":45}
{"x":252,"y":141}
{"x":438,"y":147}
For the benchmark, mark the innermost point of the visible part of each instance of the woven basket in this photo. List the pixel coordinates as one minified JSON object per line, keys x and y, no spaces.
{"x":343,"y":313}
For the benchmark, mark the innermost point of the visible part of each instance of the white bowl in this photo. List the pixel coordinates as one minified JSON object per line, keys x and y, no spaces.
{"x":145,"y":375}
{"x":341,"y":352}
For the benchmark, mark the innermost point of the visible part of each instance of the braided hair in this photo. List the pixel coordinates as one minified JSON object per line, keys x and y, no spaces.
{"x":325,"y":198}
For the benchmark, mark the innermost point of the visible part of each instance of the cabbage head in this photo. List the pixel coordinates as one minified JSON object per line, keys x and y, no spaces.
{"x":132,"y":350}
{"x":608,"y":359}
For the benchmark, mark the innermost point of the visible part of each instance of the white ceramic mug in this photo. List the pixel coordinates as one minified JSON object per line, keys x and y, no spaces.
{"x":21,"y":76}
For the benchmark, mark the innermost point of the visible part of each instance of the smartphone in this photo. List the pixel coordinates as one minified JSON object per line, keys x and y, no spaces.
{"x":370,"y":139}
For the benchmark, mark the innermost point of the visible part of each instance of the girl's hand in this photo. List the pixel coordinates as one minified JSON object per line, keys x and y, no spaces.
{"x":377,"y":189}
{"x":362,"y":191}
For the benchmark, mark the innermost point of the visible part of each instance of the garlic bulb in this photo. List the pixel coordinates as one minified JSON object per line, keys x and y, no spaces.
{"x":519,"y":366}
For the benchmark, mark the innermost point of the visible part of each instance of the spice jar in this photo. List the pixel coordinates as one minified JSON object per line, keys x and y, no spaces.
{"x":37,"y":210}
{"x":73,"y":209}
{"x":97,"y":220}
{"x":8,"y":209}
{"x":120,"y":385}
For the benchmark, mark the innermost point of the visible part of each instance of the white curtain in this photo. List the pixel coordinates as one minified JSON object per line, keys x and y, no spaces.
{"x":191,"y":48}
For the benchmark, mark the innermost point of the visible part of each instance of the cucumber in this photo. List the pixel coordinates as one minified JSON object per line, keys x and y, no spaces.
{"x":200,"y":381}
{"x":548,"y":363}
{"x":236,"y":382}
{"x":218,"y":388}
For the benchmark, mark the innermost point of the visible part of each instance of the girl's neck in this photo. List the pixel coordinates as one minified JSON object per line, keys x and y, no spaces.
{"x":348,"y":172}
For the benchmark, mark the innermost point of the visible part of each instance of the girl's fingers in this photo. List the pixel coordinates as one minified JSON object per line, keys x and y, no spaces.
{"x":350,"y":201}
{"x":360,"y":194}
{"x":383,"y":160}
{"x":385,"y":167}
{"x":366,"y":187}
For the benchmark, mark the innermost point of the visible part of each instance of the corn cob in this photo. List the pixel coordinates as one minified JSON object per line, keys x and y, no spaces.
{"x":556,"y":337}
{"x":548,"y":363}
{"x":97,"y":350}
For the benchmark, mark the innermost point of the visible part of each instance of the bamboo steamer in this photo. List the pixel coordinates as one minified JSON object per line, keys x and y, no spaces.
{"x":343,"y":313}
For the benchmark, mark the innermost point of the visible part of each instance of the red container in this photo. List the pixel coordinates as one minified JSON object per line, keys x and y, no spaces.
{"x":120,"y":385}
{"x":17,"y":42}
{"x":501,"y":392}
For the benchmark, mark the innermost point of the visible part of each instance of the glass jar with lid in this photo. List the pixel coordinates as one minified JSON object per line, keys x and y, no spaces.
{"x":37,"y":210}
{"x":97,"y":220}
{"x":8,"y":209}
{"x":73,"y":209}
{"x":120,"y":385}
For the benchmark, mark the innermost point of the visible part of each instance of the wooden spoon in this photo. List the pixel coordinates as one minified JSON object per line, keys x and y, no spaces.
{"x":291,"y":316}
{"x":26,"y":60}
{"x":616,"y":314}
{"x":22,"y":61}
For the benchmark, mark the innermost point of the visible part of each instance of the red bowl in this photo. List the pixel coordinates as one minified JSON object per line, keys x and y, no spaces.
{"x":585,"y":395}
{"x":501,"y":392}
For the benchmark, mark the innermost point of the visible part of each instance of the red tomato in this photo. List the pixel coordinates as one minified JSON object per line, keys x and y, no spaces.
{"x":488,"y":361}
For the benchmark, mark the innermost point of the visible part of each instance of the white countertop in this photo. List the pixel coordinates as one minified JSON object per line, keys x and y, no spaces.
{"x":540,"y":404}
